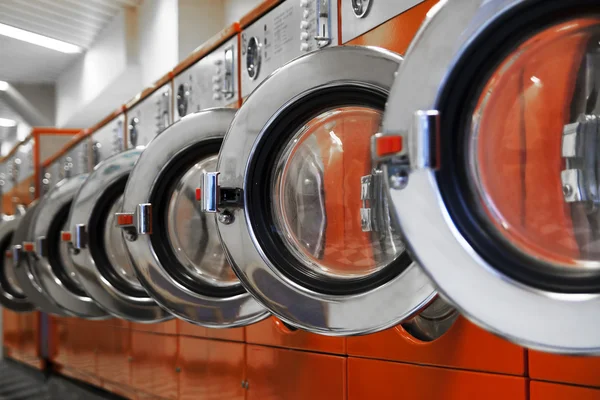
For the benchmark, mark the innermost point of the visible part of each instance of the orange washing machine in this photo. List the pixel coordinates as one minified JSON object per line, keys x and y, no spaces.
{"x":21,"y":189}
{"x":490,"y":161}
{"x":207,"y":78}
{"x":175,"y":248}
{"x":272,"y":35}
{"x":462,"y":344}
{"x":147,"y":114}
{"x":553,"y":391}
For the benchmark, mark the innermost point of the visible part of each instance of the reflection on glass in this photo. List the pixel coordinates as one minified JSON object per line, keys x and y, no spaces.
{"x":317,"y":196}
{"x":115,"y":247}
{"x":521,"y":146}
{"x":11,"y":277}
{"x":193,"y":234}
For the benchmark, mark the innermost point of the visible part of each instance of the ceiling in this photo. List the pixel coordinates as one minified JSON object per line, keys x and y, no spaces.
{"x":72,"y":21}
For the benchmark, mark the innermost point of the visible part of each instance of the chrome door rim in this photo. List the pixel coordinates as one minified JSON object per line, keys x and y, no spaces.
{"x":50,"y":205}
{"x":345,"y":314}
{"x":109,"y":297}
{"x":8,"y":226}
{"x":492,"y":300}
{"x":208,"y":311}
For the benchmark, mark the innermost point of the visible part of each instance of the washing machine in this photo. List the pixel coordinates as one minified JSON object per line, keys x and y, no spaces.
{"x":209,"y":77}
{"x":175,"y":247}
{"x":488,"y":165}
{"x":43,"y":264}
{"x":149,"y":113}
{"x":293,"y":178}
{"x":98,"y":254}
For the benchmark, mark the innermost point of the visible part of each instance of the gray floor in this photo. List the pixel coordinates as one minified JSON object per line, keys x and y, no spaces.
{"x":19,"y":382}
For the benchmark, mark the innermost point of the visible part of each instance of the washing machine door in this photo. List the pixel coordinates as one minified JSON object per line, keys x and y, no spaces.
{"x":24,"y":263}
{"x":53,"y":269}
{"x":98,"y":251}
{"x":12,"y":295}
{"x":293,"y":183}
{"x":491,"y":158}
{"x":175,"y":247}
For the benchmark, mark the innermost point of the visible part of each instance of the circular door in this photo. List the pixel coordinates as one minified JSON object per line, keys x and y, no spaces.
{"x":24,"y":263}
{"x":180,"y":259}
{"x":294,"y":188}
{"x":496,"y":186}
{"x":12,"y":295}
{"x":98,"y":253}
{"x":53,"y":269}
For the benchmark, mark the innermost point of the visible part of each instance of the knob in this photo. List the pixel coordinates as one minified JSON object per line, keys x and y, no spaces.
{"x":218,"y":61}
{"x":304,"y":3}
{"x":217,"y":96}
{"x":216,"y":79}
{"x":305,"y":14}
{"x":304,"y":25}
{"x":304,"y":36}
{"x":304,"y":47}
{"x":216,"y":88}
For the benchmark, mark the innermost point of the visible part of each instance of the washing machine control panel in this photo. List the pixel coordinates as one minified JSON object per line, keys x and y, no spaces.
{"x":21,"y":163}
{"x":149,"y":117}
{"x":211,"y":82}
{"x":290,"y":30}
{"x":107,"y":140}
{"x":360,"y":16}
{"x":76,"y":161}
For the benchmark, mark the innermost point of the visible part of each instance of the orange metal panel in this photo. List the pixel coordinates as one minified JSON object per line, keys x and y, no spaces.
{"x":82,"y":344}
{"x":567,"y":369}
{"x":552,"y":391}
{"x":81,"y":376}
{"x":274,"y":374}
{"x":374,"y":379}
{"x":30,"y":338}
{"x":114,"y":354}
{"x":397,"y":33}
{"x":59,"y":341}
{"x":272,"y":332}
{"x":121,"y":390}
{"x":464,"y":346}
{"x":187,"y":329}
{"x":165,"y":328}
{"x":211,"y":369}
{"x":12,"y":335}
{"x":154,"y":363}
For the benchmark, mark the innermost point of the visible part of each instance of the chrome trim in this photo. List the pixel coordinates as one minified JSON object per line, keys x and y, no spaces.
{"x":114,"y":301}
{"x":203,"y":310}
{"x":331,"y":315}
{"x":8,"y":226}
{"x":508,"y":308}
{"x":50,"y":205}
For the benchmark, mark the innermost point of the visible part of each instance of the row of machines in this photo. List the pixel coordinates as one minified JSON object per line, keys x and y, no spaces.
{"x":297,"y":210}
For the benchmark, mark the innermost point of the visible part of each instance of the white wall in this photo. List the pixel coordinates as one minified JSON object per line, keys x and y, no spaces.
{"x":41,"y":96}
{"x":199,"y":20}
{"x":235,"y":9}
{"x":98,"y":71}
{"x":158,"y":35}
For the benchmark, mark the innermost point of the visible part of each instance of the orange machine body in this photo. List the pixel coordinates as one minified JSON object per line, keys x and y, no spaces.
{"x":22,"y":331}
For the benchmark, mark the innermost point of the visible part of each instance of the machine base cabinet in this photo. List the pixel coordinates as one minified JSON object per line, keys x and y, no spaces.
{"x":272,"y":332}
{"x":566,"y":369}
{"x":282,"y":374}
{"x":210,"y":369}
{"x":154,"y":365}
{"x":382,"y":380}
{"x":553,"y":391}
{"x":464,"y":346}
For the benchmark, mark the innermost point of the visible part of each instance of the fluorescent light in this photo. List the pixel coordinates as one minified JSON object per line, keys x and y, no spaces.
{"x":7,"y":123}
{"x":3,"y":86}
{"x":39,"y":40}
